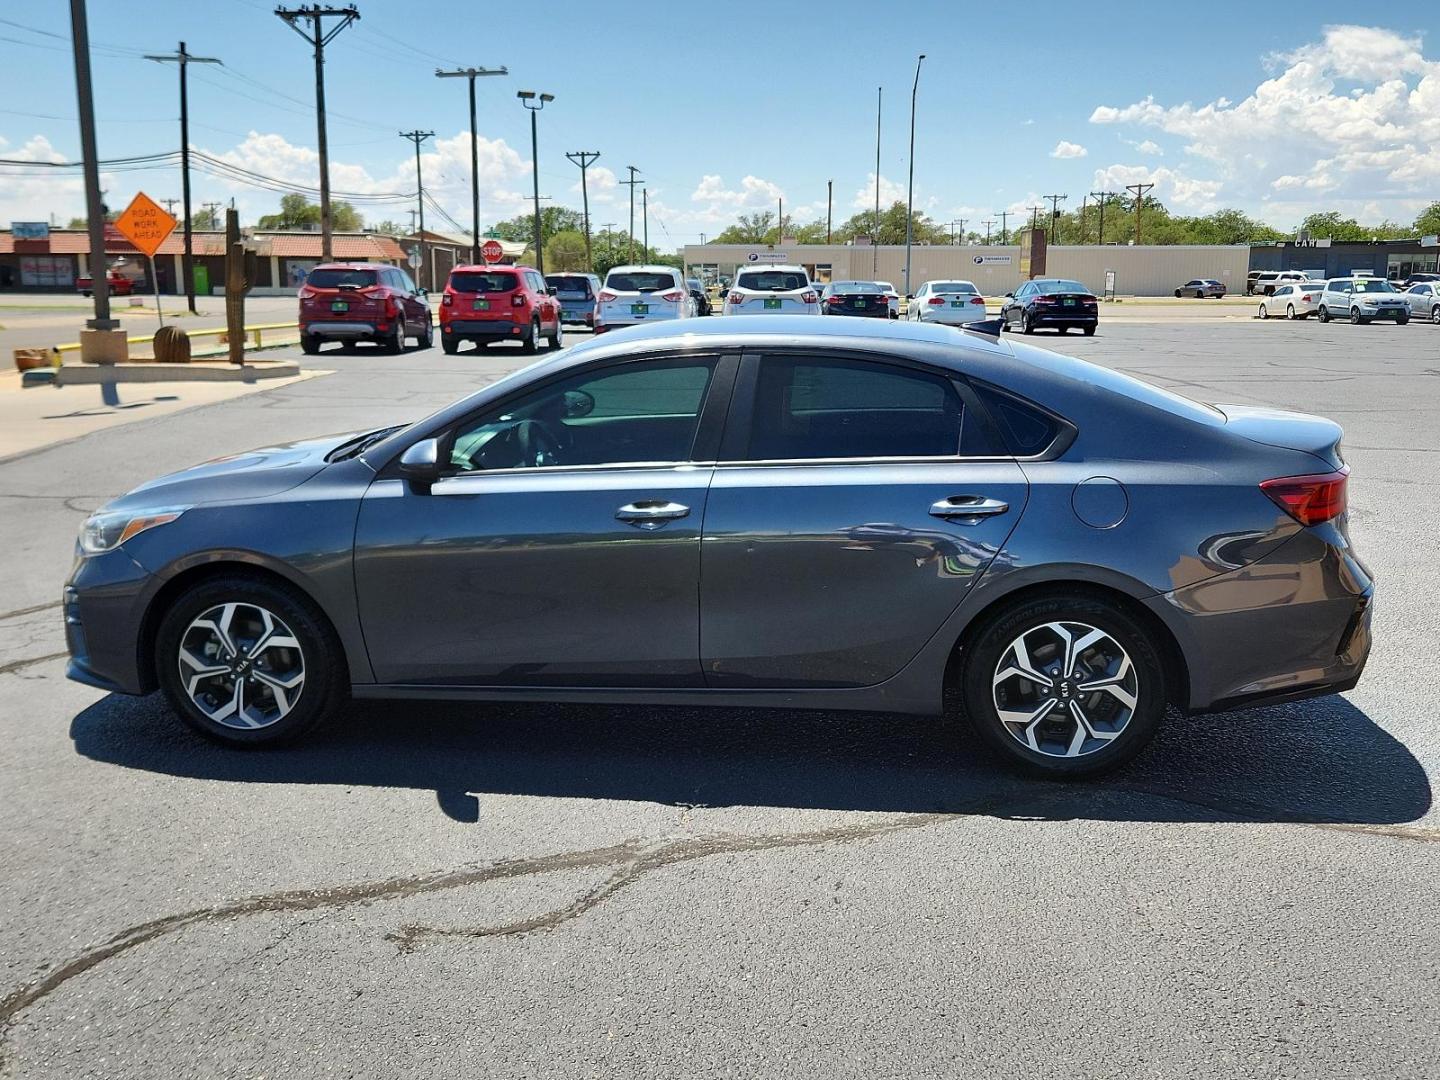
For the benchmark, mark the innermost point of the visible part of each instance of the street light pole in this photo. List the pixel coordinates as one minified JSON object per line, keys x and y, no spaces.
{"x":910,"y":195}
{"x":472,"y":74}
{"x":526,"y":97}
{"x":183,"y":59}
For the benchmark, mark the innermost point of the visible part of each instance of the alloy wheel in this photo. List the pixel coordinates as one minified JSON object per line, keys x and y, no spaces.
{"x":1065,"y":689}
{"x":241,"y":666}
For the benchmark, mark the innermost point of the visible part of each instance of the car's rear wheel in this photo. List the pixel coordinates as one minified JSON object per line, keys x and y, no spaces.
{"x":1290,"y":312}
{"x":1435,"y":314}
{"x":309,"y":344}
{"x":1264,"y":312}
{"x":1026,"y":326}
{"x":248,"y":662}
{"x":395,"y":343}
{"x":1089,"y":331}
{"x":531,"y":341}
{"x":1064,"y":685}
{"x":450,"y":345}
{"x":427,"y":339}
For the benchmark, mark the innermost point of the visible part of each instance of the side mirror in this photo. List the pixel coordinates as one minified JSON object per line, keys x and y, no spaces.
{"x":551,"y":290}
{"x":910,"y":296}
{"x":1010,"y":294}
{"x":422,"y":292}
{"x":420,"y":464}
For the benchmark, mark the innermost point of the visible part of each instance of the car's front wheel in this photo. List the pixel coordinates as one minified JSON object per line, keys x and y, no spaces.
{"x":1323,"y":314}
{"x":248,"y":662}
{"x":1064,"y":685}
{"x":1402,"y":318}
{"x":1264,"y":312}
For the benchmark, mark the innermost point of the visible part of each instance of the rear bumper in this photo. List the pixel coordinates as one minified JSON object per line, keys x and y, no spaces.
{"x":578,"y":315}
{"x":482,"y":329}
{"x":1293,"y":625}
{"x":336,"y":330}
{"x":1056,"y":318}
{"x":881,"y":312}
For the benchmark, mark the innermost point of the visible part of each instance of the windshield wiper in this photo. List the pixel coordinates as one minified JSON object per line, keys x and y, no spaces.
{"x":357,"y":446}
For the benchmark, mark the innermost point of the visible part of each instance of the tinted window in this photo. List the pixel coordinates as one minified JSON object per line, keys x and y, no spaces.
{"x":772,"y":280}
{"x":619,"y":415}
{"x":1026,"y":429}
{"x":833,"y":408}
{"x":569,"y":286}
{"x":867,"y":288}
{"x":483,"y":281}
{"x":321,"y":278}
{"x":640,"y":281}
{"x":1284,"y":290}
{"x":1050,"y":288}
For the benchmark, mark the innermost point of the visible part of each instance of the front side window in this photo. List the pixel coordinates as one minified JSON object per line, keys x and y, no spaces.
{"x":631,"y":413}
{"x":816,"y":407}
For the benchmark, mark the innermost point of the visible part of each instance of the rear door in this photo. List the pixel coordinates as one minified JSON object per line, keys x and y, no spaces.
{"x":858,"y":498}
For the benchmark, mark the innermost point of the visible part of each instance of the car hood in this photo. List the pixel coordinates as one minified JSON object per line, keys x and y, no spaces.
{"x":253,"y":474}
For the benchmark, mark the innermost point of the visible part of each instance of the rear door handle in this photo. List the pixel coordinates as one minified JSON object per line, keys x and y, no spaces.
{"x":651,"y":513}
{"x":968,"y":506}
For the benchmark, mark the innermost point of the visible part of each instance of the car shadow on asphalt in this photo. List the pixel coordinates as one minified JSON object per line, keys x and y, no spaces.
{"x":1321,"y":761}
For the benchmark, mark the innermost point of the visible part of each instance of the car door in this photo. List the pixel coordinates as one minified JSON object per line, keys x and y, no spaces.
{"x":562,"y":546}
{"x":1417,"y":298}
{"x":857,"y":499}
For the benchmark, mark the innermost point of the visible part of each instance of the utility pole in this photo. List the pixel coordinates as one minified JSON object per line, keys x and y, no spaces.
{"x":1004,"y":217}
{"x":631,"y":184}
{"x":780,"y":221}
{"x":961,"y":223}
{"x":318,"y":37}
{"x":910,"y":195}
{"x":169,"y":205}
{"x":875,"y":237}
{"x":645,"y":219}
{"x":1034,"y":215}
{"x":94,"y":208}
{"x":1139,"y":190}
{"x":829,"y":206}
{"x":987,"y":223}
{"x":472,"y":74}
{"x":1055,"y":201}
{"x":1100,"y":198}
{"x":213,"y":218}
{"x":526,"y":97}
{"x":584,"y":158}
{"x":183,"y":60}
{"x":418,"y":137}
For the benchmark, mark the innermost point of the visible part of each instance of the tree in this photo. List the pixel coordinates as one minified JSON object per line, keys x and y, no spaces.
{"x":388,"y":228}
{"x":756,"y":228}
{"x":297,"y":212}
{"x":565,"y":251}
{"x":890,"y":228}
{"x":1428,"y":223}
{"x":553,"y":219}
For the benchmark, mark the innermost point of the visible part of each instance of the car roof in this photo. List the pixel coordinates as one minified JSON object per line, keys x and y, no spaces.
{"x":482,"y":267}
{"x":632,"y":267}
{"x":357,"y":265}
{"x":770,"y":266}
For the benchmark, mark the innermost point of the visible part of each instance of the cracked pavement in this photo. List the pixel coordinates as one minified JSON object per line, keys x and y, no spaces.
{"x":568,"y":891}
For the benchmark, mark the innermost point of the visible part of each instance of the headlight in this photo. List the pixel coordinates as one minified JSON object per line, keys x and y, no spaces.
{"x":108,"y":530}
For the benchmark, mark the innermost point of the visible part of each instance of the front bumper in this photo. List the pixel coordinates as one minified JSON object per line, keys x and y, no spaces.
{"x":103,"y":606}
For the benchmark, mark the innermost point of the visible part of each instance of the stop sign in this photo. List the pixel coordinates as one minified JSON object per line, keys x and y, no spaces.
{"x":491,"y":251}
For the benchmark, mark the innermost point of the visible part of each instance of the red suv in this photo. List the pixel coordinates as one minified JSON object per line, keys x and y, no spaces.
{"x":499,"y":303}
{"x":350,"y":302}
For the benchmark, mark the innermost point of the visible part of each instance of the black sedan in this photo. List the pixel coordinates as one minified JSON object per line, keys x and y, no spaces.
{"x":1051,"y":302}
{"x":864,"y":298}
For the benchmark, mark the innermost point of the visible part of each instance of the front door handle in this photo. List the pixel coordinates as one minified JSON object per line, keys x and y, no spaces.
{"x":651,"y":513}
{"x":968,"y":506}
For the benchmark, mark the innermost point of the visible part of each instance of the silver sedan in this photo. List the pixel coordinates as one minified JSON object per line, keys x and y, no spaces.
{"x":1424,"y":300}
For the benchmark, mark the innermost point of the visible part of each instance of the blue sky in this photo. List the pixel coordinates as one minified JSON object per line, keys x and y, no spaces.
{"x":1278,"y":116}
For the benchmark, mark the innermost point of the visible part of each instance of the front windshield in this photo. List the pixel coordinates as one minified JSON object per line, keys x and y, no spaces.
{"x":1374,"y":286}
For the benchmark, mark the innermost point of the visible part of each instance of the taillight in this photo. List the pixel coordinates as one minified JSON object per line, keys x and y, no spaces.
{"x":392,"y":309}
{"x":1306,"y":298}
{"x":1087,"y":299}
{"x":836,"y":300}
{"x":673,"y":296}
{"x":978,"y":300}
{"x":447,"y":299}
{"x":1310,"y":499}
{"x":936,"y":301}
{"x":307,"y":293}
{"x":736,"y":298}
{"x":518,"y":300}
{"x":809,"y":298}
{"x":606,"y":296}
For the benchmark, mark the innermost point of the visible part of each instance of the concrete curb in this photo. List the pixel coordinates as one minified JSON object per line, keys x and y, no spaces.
{"x":99,"y":374}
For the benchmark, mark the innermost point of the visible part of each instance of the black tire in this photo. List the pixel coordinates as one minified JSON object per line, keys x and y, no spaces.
{"x":1435,"y":314}
{"x":1089,"y":331}
{"x":326,"y":685}
{"x":992,"y":639}
{"x":1323,"y":314}
{"x":309,"y":344}
{"x":349,"y":346}
{"x":450,"y":345}
{"x":394,"y":345}
{"x":1177,"y":294}
{"x":1062,"y":329}
{"x":557,"y":339}
{"x":1026,"y":326}
{"x":530,"y":343}
{"x":1402,"y":319}
{"x":427,"y":340}
{"x":1355,"y":317}
{"x":1264,"y":311}
{"x":1290,"y":312}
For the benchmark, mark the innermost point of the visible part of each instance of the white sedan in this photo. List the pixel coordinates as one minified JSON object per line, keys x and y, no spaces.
{"x":772,"y":290}
{"x":1424,"y":300}
{"x":948,"y":302}
{"x":892,"y":296}
{"x":1292,"y":301}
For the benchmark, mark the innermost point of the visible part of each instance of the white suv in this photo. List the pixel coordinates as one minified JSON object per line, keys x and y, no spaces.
{"x":772,"y":290}
{"x":640,"y":294}
{"x":1362,"y":299}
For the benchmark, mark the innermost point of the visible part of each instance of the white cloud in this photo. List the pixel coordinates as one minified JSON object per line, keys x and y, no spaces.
{"x":891,"y":192}
{"x":1065,"y":149}
{"x":1149,"y":147}
{"x":1185,"y":193}
{"x":35,"y":195}
{"x":1309,"y":128}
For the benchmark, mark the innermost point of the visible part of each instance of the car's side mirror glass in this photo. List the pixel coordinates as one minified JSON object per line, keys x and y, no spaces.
{"x":421,"y":462}
{"x":910,"y":296}
{"x":578,"y":403}
{"x":551,"y":290}
{"x":1010,"y":294}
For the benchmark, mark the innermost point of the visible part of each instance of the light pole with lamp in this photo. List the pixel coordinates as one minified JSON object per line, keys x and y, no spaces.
{"x":526,"y":97}
{"x":910,"y":196}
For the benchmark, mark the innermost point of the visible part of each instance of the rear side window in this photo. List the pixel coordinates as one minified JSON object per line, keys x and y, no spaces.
{"x":483,"y":281}
{"x":772,"y":280}
{"x":640,"y":281}
{"x":842,"y":408}
{"x":1026,"y":429}
{"x":322,"y":278}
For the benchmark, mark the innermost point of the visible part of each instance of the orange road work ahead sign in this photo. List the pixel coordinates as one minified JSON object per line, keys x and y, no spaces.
{"x":145,"y":224}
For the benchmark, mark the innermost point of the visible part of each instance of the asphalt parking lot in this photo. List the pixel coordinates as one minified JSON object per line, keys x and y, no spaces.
{"x":563,"y":891}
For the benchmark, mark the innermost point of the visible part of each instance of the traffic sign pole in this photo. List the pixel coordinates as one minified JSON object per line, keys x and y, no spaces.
{"x":155,"y":280}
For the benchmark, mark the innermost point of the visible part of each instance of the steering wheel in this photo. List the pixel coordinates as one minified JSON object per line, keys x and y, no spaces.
{"x":537,"y":444}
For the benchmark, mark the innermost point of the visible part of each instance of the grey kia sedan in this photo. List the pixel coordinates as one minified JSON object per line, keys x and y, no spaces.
{"x":787,"y":512}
